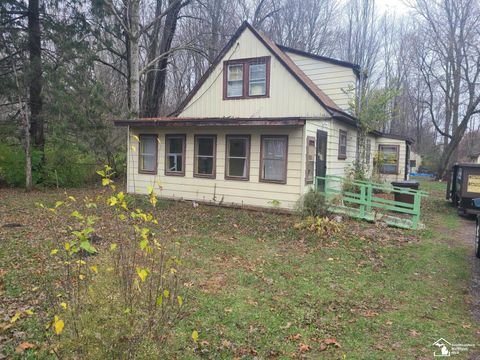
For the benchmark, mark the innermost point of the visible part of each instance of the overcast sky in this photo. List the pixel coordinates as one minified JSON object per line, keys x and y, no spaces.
{"x":392,"y":6}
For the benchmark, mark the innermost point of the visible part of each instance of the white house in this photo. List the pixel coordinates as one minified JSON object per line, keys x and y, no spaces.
{"x":258,"y":127}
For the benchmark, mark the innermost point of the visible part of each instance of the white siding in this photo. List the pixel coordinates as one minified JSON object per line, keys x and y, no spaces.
{"x":338,"y":82}
{"x":287,"y":96}
{"x":248,"y":193}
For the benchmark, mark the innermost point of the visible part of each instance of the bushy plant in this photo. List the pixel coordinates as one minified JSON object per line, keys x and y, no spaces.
{"x":12,"y":165}
{"x":323,"y":227}
{"x":313,"y":203}
{"x":120,"y":298}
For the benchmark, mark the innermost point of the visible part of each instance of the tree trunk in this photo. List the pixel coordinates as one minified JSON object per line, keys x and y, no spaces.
{"x":35,"y":75}
{"x":156,"y":80}
{"x":28,"y":153}
{"x":134,"y":56}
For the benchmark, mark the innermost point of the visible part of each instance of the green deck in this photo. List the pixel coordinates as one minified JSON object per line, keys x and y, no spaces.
{"x":362,"y":201}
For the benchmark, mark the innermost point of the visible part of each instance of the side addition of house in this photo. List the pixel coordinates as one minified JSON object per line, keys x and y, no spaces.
{"x":255,"y":131}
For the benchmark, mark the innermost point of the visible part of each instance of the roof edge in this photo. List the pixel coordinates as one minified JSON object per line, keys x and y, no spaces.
{"x":354,"y":67}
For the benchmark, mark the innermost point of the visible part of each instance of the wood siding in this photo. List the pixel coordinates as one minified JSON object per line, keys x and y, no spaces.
{"x":221,"y":190}
{"x":287,"y":96}
{"x":334,"y":80}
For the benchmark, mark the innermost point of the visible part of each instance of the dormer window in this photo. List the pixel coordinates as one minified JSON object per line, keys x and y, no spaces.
{"x":246,"y":78}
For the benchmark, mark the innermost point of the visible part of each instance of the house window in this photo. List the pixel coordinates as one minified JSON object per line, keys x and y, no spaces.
{"x":237,"y":157}
{"x":147,"y":154}
{"x":273,"y":160}
{"x":175,"y":155}
{"x":368,"y":151}
{"x":310,"y":160}
{"x":235,"y":80}
{"x":413,"y":164}
{"x":388,"y":159}
{"x":205,"y":151}
{"x":342,"y":145}
{"x":257,"y":79}
{"x":246,"y":78}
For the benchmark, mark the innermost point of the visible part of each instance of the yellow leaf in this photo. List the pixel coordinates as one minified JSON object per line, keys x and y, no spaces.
{"x":121,"y":196}
{"x":54,"y":251}
{"x":81,"y":276}
{"x":159,"y":300}
{"x":58,"y":203}
{"x":106,"y":181}
{"x":142,"y":274}
{"x":29,"y":312}
{"x":67,"y":246}
{"x":195,"y":335}
{"x":94,"y":269}
{"x":112,"y":200}
{"x":63,"y":305}
{"x":180,"y":300}
{"x":113,"y":247}
{"x":15,"y":317}
{"x":58,"y":325}
{"x":72,"y":198}
{"x":166,"y":293}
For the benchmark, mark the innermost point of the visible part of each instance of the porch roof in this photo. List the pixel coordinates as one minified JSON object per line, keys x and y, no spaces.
{"x":173,"y":121}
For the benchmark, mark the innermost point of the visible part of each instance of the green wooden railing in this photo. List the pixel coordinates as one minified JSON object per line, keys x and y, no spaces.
{"x":366,"y":200}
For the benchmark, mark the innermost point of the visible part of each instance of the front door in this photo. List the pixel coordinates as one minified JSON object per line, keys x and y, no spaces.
{"x":321,"y":158}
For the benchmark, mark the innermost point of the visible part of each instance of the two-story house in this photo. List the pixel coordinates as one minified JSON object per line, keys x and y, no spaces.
{"x":262,"y":122}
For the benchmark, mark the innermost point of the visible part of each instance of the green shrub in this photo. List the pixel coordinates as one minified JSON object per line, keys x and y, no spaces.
{"x":313,"y":203}
{"x":12,"y":165}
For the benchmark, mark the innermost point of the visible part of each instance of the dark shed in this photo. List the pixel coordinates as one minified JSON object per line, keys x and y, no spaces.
{"x":463,"y":186}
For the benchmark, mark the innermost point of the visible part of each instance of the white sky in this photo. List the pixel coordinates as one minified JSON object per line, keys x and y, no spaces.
{"x":397,"y":7}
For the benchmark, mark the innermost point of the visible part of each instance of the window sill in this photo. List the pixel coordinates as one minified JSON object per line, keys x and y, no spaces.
{"x":146,"y":172}
{"x":342,"y":158}
{"x":237,"y":178}
{"x":204,"y":176}
{"x":171,"y":173}
{"x":282,"y":182}
{"x":245,"y":97}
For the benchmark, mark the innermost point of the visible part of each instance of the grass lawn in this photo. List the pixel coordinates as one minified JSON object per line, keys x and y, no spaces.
{"x":256,"y":287}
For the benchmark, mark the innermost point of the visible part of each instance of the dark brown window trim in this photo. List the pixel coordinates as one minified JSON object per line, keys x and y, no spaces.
{"x":214,"y":165}
{"x":380,"y":146}
{"x":184,"y":138}
{"x":246,"y":77}
{"x":309,"y":139}
{"x":340,"y":134}
{"x":140,"y":137}
{"x":284,"y":181}
{"x":241,"y":178}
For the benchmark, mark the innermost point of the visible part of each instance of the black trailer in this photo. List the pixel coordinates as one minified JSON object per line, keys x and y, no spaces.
{"x":476,"y":203}
{"x":463,"y":186}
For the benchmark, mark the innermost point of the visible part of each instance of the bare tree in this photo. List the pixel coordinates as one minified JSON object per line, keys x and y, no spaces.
{"x":448,"y":58}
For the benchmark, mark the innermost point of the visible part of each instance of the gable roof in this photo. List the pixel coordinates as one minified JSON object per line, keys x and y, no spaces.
{"x":286,"y":61}
{"x":354,"y":67}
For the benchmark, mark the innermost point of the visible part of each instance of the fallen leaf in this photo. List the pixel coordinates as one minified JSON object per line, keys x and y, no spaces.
{"x":195,"y":335}
{"x":304,"y":347}
{"x":286,"y":326}
{"x":414,"y":333}
{"x":331,"y":341}
{"x":24,"y":346}
{"x":228,"y":310}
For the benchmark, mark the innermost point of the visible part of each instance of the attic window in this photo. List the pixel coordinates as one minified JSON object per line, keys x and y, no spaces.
{"x":246,"y":78}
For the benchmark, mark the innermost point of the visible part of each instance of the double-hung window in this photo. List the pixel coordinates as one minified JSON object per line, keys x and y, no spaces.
{"x":147,"y":154}
{"x":235,"y":80}
{"x":246,"y":78}
{"x":237,"y":157}
{"x":273,"y":159}
{"x":388,"y":163}
{"x":342,"y":145}
{"x":205,"y":156}
{"x":175,"y":155}
{"x":257,"y":79}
